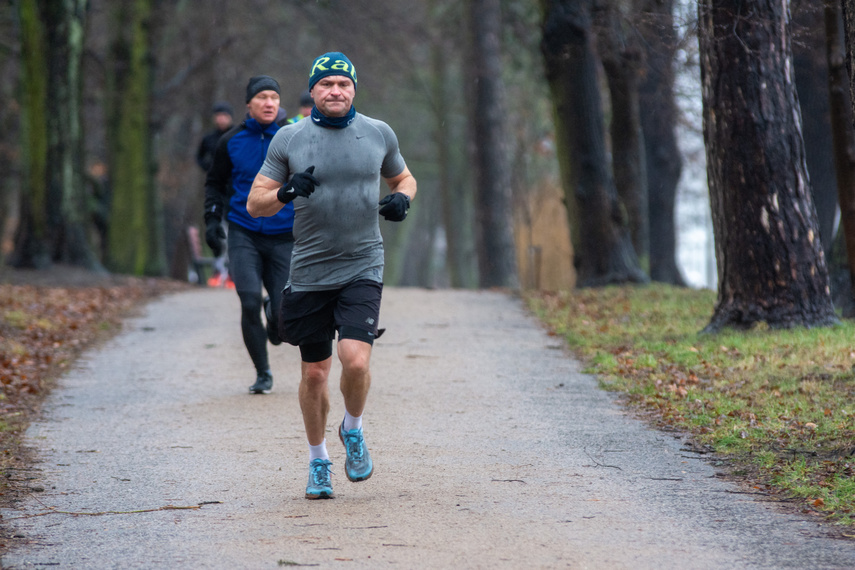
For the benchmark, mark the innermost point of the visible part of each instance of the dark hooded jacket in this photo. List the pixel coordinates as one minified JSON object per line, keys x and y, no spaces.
{"x":238,"y":157}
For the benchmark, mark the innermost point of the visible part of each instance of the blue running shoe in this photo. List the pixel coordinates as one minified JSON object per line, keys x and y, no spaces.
{"x":358,"y":466}
{"x":319,"y":486}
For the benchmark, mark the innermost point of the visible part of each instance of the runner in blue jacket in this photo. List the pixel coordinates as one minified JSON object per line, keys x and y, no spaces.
{"x":259,"y":248}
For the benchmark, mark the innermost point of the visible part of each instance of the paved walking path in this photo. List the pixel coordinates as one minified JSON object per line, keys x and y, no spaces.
{"x":491,"y":450}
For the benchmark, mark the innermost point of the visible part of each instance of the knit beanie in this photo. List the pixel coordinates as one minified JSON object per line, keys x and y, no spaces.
{"x":332,"y":63}
{"x":260,"y":83}
{"x":222,"y":107}
{"x":306,"y":99}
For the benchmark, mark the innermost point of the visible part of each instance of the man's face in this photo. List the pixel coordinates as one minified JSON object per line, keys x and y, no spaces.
{"x":222,"y":121}
{"x":264,"y":106}
{"x":334,"y":95}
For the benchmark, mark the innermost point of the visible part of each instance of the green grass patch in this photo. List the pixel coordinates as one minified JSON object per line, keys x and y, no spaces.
{"x":779,"y":403}
{"x":16,"y":319}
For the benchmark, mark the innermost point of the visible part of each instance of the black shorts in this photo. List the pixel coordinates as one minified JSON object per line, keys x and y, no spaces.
{"x":313,"y":317}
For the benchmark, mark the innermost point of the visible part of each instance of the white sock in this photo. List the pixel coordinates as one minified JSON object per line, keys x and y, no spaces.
{"x":351,"y":423}
{"x":318,"y":451}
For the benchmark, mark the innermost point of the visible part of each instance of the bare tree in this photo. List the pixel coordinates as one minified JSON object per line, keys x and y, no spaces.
{"x":602,"y":248}
{"x":135,"y":231}
{"x":494,"y":218}
{"x":811,"y":67}
{"x":620,"y":51}
{"x":54,"y":213}
{"x":658,"y":123}
{"x":770,"y":260}
{"x":843,"y":131}
{"x":31,"y":236}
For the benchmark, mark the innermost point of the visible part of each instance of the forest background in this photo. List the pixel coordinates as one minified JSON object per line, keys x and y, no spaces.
{"x":150,"y":70}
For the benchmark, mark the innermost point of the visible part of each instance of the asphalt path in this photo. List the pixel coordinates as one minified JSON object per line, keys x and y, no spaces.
{"x":491,"y":450}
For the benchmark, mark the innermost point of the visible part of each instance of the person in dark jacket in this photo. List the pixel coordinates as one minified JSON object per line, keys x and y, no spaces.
{"x":222,"y":116}
{"x":259,"y":248}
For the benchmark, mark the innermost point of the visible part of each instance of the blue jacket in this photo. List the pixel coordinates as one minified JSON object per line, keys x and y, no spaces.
{"x":238,"y":158}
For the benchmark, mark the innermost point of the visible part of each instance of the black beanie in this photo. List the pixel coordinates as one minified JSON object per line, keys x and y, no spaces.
{"x":306,"y":99}
{"x":222,"y":107}
{"x":260,"y":83}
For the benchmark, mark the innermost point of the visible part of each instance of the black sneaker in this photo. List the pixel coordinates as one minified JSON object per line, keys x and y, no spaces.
{"x":263,"y":383}
{"x":272,"y":328}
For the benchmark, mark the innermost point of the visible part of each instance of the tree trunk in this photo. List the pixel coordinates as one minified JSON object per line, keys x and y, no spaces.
{"x":453,"y":198}
{"x":31,"y":237}
{"x":54,"y":219}
{"x":843,"y":131}
{"x":135,"y":242}
{"x":68,"y":205}
{"x":811,"y":67}
{"x":771,"y":265}
{"x":494,"y":217}
{"x":849,"y":31}
{"x":621,"y":56}
{"x":603,"y":252}
{"x":658,"y":124}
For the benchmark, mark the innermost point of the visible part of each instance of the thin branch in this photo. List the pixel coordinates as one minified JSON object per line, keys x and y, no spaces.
{"x":179,"y":78}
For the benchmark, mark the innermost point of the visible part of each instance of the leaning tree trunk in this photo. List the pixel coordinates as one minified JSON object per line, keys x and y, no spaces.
{"x":603,"y":252}
{"x":843,"y":136}
{"x":31,"y":236}
{"x":771,"y":265}
{"x":135,"y":244}
{"x":658,"y":124}
{"x":621,"y":56}
{"x":497,"y":266}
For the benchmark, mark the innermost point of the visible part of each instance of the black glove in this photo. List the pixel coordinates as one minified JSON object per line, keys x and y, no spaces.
{"x":215,"y":236}
{"x":302,"y":184}
{"x":394,"y":207}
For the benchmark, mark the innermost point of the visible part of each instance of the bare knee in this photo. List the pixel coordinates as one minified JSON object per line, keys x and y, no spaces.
{"x":355,"y":357}
{"x":315,"y":374}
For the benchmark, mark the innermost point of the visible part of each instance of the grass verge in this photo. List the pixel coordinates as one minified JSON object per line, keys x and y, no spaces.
{"x":778,"y":405}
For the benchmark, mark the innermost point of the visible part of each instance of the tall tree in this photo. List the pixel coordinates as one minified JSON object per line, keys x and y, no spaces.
{"x":843,"y":135}
{"x":620,"y":52}
{"x":849,"y":31}
{"x":135,"y":236}
{"x":602,"y":248}
{"x":811,"y":67}
{"x":658,"y":124}
{"x":31,"y":236}
{"x":497,"y":265}
{"x":454,"y":202}
{"x":68,"y":203}
{"x":770,"y":261}
{"x":55,"y":211}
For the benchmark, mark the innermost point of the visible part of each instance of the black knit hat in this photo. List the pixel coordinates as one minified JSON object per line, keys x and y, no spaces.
{"x":306,"y":99}
{"x":222,"y":107}
{"x":260,"y":83}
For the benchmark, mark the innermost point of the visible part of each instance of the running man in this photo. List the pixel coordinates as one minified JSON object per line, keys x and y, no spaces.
{"x":259,"y":248}
{"x":332,"y":164}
